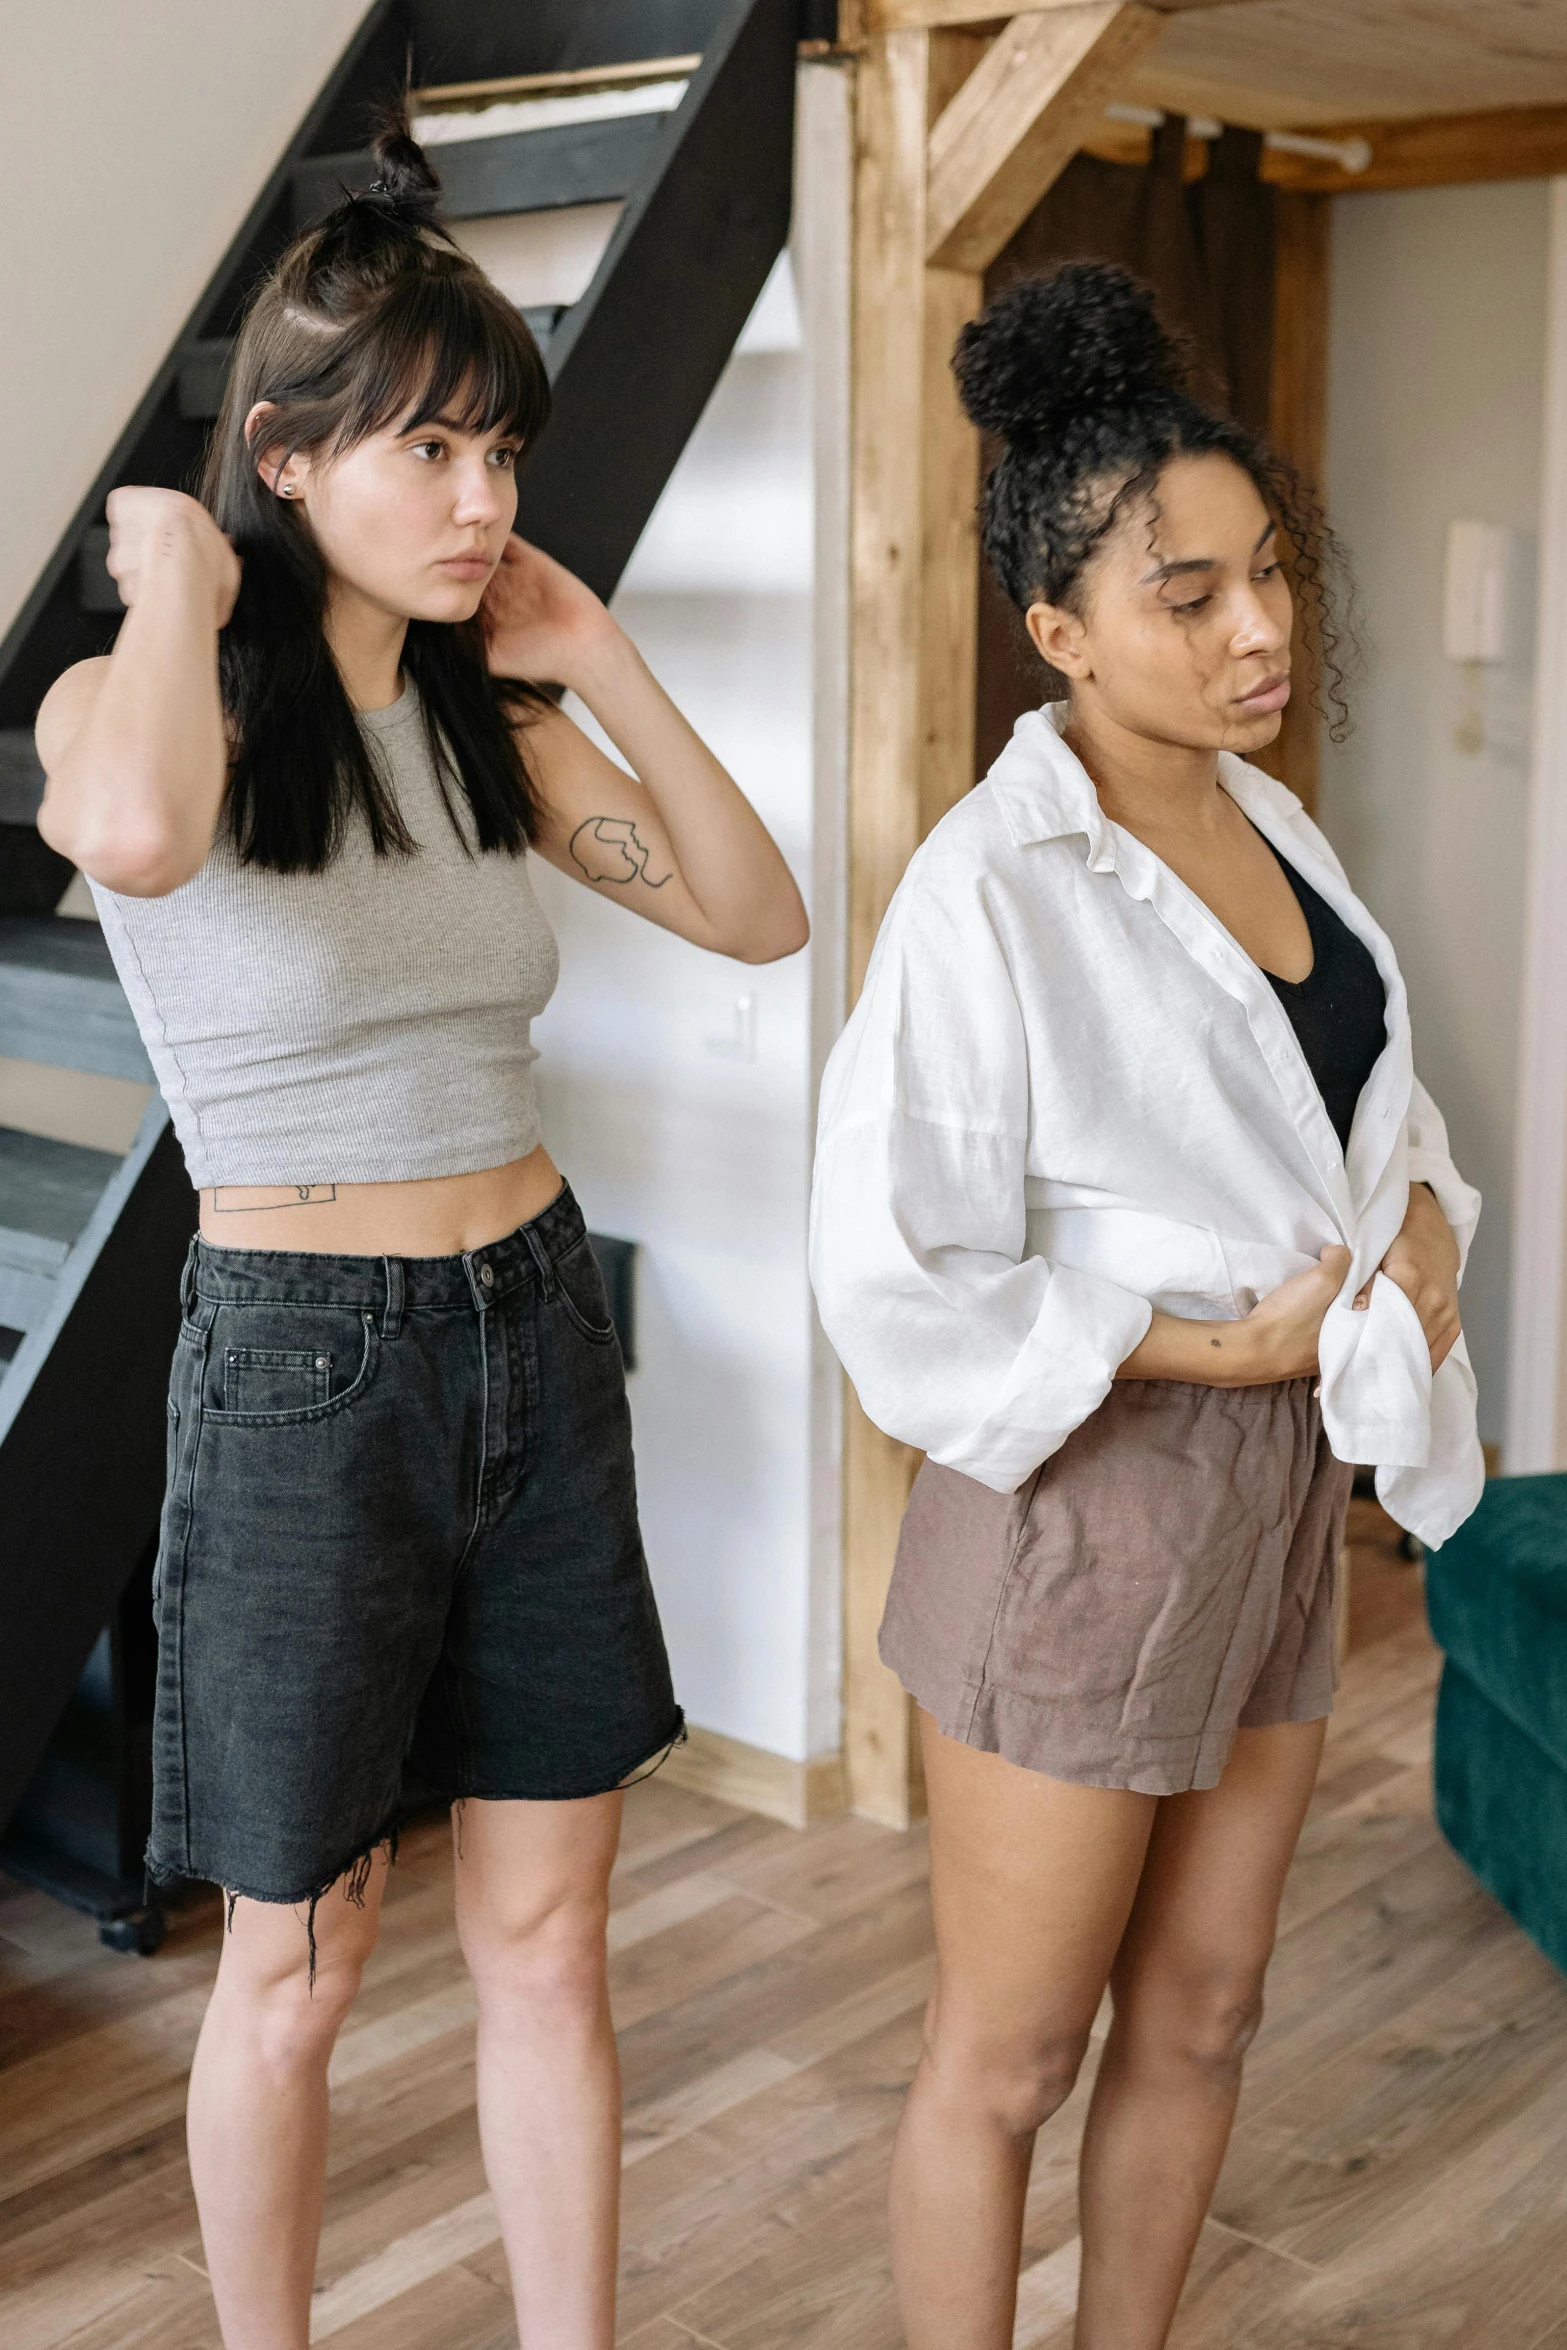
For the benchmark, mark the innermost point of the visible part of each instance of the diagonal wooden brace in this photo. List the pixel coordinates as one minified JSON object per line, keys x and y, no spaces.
{"x":1020,"y":117}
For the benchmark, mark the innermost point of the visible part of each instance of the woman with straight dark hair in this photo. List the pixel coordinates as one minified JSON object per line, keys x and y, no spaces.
{"x":400,"y":1538}
{"x":1131,"y":1213}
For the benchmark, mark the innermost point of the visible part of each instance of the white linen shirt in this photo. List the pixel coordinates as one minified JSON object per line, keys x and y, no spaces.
{"x":1067,"y":1097}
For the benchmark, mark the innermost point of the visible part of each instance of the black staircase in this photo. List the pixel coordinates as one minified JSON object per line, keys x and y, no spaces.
{"x":90,"y":1243}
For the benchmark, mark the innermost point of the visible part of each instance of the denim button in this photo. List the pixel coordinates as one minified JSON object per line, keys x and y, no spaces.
{"x":487,"y":1276}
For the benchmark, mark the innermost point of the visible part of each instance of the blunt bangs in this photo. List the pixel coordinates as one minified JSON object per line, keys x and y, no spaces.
{"x":437,"y":345}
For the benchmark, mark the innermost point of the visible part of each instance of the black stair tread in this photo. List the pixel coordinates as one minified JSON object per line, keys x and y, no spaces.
{"x":511,"y":171}
{"x":49,"y":1189}
{"x":60,"y":999}
{"x":34,"y":1254}
{"x":21,"y":777}
{"x":58,"y":942}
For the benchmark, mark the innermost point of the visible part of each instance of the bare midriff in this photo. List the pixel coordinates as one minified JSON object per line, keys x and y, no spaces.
{"x":444,"y":1216}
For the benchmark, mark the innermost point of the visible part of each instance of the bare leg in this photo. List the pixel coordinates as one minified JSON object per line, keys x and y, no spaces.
{"x":257,"y":2122}
{"x":1187,"y":1986}
{"x":1032,"y":1882}
{"x":532,"y":1904}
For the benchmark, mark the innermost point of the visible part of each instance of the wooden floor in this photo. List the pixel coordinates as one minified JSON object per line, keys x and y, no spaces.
{"x":1398,"y":2179}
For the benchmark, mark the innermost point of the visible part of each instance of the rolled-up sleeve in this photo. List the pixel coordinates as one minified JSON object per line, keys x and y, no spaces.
{"x":955,"y":1340}
{"x":1431,"y":1162}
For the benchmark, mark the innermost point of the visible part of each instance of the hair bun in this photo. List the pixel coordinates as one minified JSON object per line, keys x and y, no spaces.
{"x":1052,"y":348}
{"x":407,"y":183}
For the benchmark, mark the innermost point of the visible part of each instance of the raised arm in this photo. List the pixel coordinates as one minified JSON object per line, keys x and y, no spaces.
{"x":676,"y":840}
{"x":133,"y":747}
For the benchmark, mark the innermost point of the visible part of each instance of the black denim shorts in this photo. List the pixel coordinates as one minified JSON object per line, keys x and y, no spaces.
{"x":399,"y":1553}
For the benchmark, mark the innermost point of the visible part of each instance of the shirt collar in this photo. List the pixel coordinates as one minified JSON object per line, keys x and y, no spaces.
{"x":1045,"y":792}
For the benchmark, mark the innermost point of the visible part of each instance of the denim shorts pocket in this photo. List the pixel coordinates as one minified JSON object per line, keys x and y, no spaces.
{"x":289,"y":1386}
{"x":581,"y":1286}
{"x":275,"y":1378}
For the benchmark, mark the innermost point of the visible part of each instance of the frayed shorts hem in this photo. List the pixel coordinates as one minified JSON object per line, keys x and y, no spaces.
{"x":642,"y":1766}
{"x":160,"y":1872}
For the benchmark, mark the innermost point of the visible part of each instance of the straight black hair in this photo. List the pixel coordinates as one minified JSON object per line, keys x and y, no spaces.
{"x":372,"y":317}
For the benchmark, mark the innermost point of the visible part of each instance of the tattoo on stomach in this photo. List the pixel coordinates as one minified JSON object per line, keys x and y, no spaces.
{"x":609,"y":848}
{"x":257,"y":1198}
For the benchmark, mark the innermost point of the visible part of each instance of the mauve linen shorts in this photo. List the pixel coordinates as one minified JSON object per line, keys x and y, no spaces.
{"x":399,"y":1555}
{"x":1166,"y":1578}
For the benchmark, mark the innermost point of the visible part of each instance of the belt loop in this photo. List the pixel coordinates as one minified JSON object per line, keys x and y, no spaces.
{"x":188,"y":1280}
{"x":392,"y":1317}
{"x":540,"y":1256}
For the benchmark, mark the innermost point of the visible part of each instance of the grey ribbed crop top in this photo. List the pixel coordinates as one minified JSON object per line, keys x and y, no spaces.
{"x":368,"y":1024}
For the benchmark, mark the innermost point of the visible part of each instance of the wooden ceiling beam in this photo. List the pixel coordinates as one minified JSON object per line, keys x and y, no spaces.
{"x":1019,"y":118}
{"x":1433,"y":151}
{"x":1427,"y":151}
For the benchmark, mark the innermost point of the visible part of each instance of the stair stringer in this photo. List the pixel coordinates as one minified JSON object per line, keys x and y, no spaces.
{"x":637,"y":359}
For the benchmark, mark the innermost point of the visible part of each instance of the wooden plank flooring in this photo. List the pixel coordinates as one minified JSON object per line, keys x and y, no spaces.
{"x":1398,"y":2178}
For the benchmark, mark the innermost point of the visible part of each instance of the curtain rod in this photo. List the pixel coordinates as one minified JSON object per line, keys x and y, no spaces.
{"x":1348,"y":154}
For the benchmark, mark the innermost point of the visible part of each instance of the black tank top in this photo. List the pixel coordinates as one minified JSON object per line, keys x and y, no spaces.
{"x":1339,"y":1010}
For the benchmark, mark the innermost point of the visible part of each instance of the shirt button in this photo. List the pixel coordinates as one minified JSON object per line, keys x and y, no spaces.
{"x":487,"y":1276}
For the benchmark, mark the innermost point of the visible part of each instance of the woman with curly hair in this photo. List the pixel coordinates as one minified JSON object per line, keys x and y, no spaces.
{"x":1131,"y":1213}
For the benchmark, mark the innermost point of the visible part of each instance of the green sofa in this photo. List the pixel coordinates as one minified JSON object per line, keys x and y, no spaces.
{"x":1497,"y":1594}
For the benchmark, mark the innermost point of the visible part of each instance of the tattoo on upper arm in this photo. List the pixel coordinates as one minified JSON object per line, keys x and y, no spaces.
{"x":609,"y":848}
{"x":243,"y":1201}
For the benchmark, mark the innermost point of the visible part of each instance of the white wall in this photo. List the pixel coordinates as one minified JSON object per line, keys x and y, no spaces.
{"x":1435,"y":415}
{"x":133,"y":141}
{"x":684,"y":1122}
{"x":1536,"y":1438}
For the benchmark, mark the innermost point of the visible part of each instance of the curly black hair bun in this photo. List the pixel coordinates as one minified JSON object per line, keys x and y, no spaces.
{"x":1054,"y":349}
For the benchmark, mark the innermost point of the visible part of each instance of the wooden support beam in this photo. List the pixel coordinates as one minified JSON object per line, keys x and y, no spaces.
{"x":867,"y":17}
{"x":1020,"y":117}
{"x":916,"y":482}
{"x":914,"y":590}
